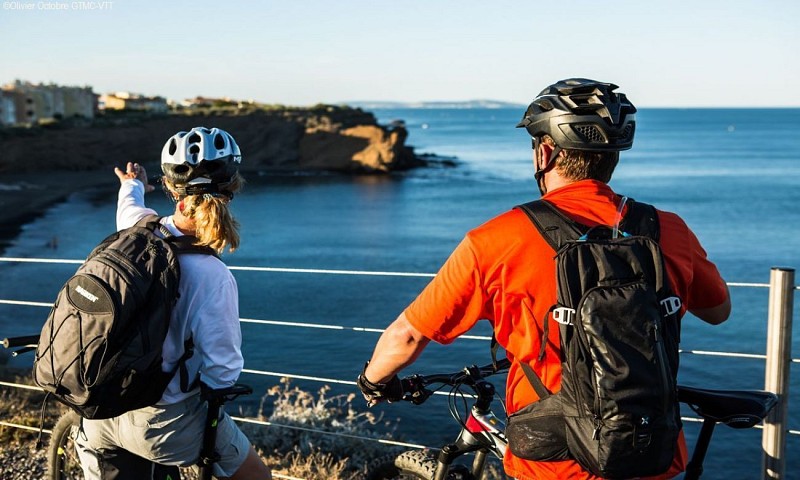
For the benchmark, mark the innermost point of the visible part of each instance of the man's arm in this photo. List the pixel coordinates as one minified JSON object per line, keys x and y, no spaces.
{"x":706,"y":295}
{"x":715,"y":315}
{"x":450,"y":305}
{"x":399,"y":346}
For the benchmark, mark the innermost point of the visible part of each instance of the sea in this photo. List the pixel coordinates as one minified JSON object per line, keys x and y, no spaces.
{"x":732,"y":174}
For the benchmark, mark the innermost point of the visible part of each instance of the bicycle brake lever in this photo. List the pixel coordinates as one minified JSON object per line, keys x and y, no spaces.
{"x":418,"y":397}
{"x":414,"y":390}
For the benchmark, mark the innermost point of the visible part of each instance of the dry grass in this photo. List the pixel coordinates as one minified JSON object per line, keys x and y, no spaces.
{"x":300,"y":454}
{"x":307,"y":453}
{"x":295,"y":453}
{"x":24,"y":407}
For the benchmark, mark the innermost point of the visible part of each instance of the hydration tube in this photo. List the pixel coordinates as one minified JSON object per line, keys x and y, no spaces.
{"x":618,"y":218}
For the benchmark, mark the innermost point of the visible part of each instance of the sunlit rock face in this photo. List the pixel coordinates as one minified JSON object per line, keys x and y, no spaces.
{"x":322,"y":138}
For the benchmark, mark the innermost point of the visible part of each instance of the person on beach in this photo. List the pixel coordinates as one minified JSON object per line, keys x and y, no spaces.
{"x":201,"y":174}
{"x":504,"y":270}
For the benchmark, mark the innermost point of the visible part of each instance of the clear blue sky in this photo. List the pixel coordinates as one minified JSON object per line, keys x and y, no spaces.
{"x":662,"y":53}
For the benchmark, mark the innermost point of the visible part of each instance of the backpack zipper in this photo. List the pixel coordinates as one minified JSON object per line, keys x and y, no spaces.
{"x":107,"y":259}
{"x":112,"y":259}
{"x":581,"y":337}
{"x":662,"y":364}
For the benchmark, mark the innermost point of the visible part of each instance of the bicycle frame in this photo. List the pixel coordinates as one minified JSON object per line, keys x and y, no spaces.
{"x":483,"y":433}
{"x":216,"y":399}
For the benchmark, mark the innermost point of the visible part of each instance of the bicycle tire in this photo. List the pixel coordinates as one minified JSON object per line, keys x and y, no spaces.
{"x":411,"y":465}
{"x":62,"y":458}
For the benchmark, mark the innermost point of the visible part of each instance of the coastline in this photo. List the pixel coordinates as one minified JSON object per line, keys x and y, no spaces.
{"x":26,"y":196}
{"x":43,"y":165}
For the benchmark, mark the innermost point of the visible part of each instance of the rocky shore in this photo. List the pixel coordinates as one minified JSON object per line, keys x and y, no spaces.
{"x":329,"y":138}
{"x":43,"y":165}
{"x":22,"y":462}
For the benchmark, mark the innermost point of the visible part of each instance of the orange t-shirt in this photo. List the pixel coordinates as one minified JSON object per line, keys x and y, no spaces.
{"x":505,"y":272}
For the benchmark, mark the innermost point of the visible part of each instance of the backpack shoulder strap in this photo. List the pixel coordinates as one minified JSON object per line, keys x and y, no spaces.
{"x":535,"y":381}
{"x":556,"y":228}
{"x":188,"y":244}
{"x":150,"y":222}
{"x":180,"y":243}
{"x":153,"y":223}
{"x":641,"y":219}
{"x":553,"y":225}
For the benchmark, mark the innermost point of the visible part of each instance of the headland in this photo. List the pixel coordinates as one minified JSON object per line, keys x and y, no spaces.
{"x":42,"y":165}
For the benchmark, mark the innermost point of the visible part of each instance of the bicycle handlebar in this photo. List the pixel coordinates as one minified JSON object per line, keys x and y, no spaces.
{"x":416,"y":392}
{"x":25,"y":341}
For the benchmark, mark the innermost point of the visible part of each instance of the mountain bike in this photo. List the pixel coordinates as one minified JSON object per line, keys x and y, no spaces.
{"x":481,"y":432}
{"x":62,"y":457}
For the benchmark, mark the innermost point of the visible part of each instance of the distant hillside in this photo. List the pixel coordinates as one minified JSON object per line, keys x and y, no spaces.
{"x":369,"y":105}
{"x":321,"y":138}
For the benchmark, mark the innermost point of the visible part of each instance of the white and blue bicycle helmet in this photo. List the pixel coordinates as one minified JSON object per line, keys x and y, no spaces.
{"x":201,"y":161}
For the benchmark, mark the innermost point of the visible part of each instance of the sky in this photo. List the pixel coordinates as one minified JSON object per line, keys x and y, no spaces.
{"x":662,"y":53}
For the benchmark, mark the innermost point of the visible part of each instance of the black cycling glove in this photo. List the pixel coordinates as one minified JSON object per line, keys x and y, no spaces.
{"x":374,"y":393}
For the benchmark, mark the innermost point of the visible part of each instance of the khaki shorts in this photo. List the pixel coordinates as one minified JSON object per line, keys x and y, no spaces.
{"x":166,"y":434}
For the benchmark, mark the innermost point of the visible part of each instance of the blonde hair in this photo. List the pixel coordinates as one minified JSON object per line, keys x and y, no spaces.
{"x":215,"y":226}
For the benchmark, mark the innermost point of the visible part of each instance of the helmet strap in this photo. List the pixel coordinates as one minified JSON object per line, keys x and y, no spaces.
{"x":172,"y":196}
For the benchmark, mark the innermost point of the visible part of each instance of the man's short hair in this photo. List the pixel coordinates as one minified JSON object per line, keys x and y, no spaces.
{"x":578,"y":165}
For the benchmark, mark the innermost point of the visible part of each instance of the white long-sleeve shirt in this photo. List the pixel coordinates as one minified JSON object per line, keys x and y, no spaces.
{"x":207,"y":310}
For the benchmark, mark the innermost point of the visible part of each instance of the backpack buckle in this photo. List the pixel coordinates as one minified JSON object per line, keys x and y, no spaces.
{"x":670,"y":305}
{"x":564,"y":315}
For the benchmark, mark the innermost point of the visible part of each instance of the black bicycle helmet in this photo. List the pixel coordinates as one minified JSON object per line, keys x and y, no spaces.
{"x":200,"y":161}
{"x":582,"y":114}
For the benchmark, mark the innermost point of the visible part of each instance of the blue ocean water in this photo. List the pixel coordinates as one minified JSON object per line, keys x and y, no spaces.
{"x":732,"y":174}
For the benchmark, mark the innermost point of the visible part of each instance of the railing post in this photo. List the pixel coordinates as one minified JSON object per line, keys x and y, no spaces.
{"x":779,"y":354}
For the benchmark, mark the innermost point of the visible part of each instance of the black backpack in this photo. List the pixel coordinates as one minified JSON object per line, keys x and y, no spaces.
{"x":617,"y":412}
{"x":100,"y":350}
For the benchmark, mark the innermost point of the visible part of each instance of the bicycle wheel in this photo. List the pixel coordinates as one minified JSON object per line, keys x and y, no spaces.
{"x":412,"y":465}
{"x":62,"y":458}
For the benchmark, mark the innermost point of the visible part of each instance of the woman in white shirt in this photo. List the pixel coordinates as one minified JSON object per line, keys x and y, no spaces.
{"x":201,"y":174}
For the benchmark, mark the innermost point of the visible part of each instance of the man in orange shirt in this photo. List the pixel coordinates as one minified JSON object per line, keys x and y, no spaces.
{"x":504,"y":271}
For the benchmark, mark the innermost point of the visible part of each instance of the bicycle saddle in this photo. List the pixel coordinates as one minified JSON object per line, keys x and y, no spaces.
{"x":226,"y":394}
{"x":734,"y":408}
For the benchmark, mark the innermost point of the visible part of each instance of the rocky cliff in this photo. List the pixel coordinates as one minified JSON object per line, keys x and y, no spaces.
{"x":324,"y":138}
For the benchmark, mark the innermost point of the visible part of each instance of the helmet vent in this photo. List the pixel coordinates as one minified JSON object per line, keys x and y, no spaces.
{"x":590,"y":133}
{"x":545,"y":104}
{"x":194,"y":149}
{"x":628,"y":132}
{"x":219,"y":142}
{"x":173,"y":147}
{"x":194,"y":138}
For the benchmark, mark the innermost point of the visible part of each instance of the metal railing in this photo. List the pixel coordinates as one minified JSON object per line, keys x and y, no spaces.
{"x":779,"y":350}
{"x":778,"y":356}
